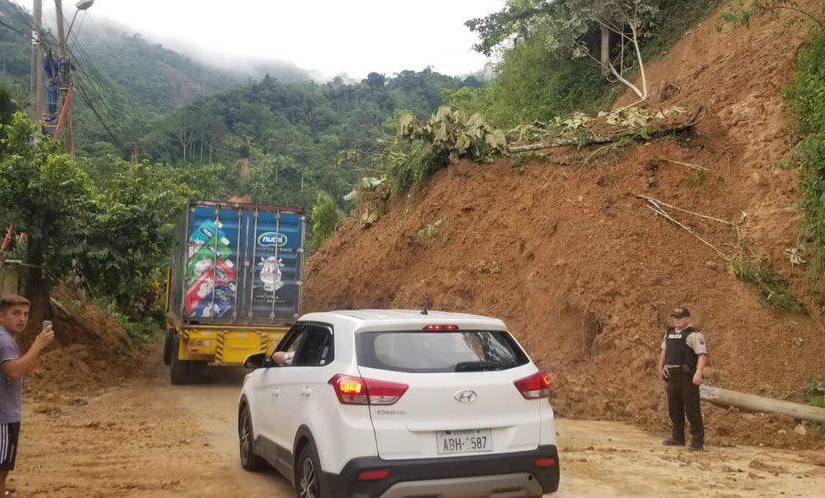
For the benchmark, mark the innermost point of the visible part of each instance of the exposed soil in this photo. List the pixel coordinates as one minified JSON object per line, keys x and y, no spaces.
{"x":585,"y":274}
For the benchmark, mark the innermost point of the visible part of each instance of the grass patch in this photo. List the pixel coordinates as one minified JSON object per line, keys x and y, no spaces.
{"x":773,"y":288}
{"x":815,"y":396}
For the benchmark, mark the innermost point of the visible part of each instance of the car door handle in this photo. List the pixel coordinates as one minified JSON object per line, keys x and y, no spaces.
{"x":306,"y":392}
{"x":276,"y":392}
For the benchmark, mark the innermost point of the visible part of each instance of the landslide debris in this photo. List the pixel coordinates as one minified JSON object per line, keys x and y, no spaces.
{"x":584,"y":274}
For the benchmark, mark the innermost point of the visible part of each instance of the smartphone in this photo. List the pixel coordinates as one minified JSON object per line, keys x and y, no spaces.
{"x":46,"y":324}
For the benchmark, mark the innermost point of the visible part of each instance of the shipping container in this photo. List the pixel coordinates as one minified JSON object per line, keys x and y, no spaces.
{"x":236,"y":270}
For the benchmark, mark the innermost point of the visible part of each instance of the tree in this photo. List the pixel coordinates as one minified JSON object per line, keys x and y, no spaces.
{"x":570,"y":26}
{"x":48,"y":196}
{"x":375,"y":81}
{"x":569,"y":30}
{"x":324,"y":217}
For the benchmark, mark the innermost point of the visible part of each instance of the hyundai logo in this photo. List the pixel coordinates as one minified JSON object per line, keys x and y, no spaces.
{"x":466,"y":396}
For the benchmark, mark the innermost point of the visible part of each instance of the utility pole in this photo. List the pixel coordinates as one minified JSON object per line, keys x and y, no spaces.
{"x":37,"y":60}
{"x":65,"y":76}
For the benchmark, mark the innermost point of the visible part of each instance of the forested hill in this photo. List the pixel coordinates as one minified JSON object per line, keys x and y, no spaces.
{"x":129,"y":80}
{"x":287,"y":136}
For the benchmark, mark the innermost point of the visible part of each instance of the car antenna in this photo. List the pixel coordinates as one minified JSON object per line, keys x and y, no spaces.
{"x":428,"y":303}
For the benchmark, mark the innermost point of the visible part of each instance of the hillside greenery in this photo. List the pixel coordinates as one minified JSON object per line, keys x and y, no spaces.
{"x":807,"y":98}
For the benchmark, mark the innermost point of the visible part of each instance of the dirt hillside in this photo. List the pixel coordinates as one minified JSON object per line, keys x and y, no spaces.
{"x":585,"y":274}
{"x":91,"y":351}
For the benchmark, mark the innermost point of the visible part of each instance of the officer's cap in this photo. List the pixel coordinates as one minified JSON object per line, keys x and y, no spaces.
{"x":680,"y":313}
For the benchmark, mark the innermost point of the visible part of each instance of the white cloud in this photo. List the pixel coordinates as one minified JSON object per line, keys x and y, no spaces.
{"x":349,"y":36}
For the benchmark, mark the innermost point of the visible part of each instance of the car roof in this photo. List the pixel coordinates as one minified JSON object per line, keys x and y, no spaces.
{"x":375,"y":319}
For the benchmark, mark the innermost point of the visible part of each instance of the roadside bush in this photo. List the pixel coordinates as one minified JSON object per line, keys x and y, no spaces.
{"x":325,"y":217}
{"x":774,"y":289}
{"x":815,"y":396}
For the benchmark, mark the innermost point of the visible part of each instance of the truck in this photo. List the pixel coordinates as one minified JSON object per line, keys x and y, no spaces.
{"x":234,"y":286}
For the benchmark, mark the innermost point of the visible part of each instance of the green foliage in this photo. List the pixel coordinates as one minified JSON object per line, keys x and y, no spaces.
{"x":742,"y":12}
{"x":324,"y":218}
{"x":451,"y":135}
{"x":815,"y":395}
{"x":418,"y":150}
{"x":774,"y":289}
{"x":534,"y":83}
{"x":45,"y":193}
{"x":538,"y":77}
{"x":807,"y":98}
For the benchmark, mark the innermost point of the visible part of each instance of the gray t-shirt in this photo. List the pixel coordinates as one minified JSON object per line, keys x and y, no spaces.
{"x":11,"y":391}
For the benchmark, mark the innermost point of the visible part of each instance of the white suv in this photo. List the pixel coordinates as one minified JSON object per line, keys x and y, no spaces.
{"x":381,"y":403}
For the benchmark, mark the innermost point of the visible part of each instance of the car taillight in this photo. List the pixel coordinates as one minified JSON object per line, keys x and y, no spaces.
{"x":359,"y":391}
{"x":373,"y":475}
{"x":535,"y":387}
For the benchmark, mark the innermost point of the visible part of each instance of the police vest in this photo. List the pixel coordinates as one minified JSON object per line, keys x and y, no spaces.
{"x":677,"y":351}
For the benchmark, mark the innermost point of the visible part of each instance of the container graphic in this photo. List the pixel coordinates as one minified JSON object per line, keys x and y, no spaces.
{"x":238,"y":263}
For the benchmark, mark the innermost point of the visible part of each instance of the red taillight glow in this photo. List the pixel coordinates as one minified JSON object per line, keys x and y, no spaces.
{"x":373,"y":475}
{"x":360,"y":391}
{"x":544,"y":463}
{"x":441,"y":328}
{"x":535,"y":387}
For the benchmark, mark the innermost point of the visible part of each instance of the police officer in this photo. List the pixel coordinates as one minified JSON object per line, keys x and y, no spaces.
{"x":682,"y":365}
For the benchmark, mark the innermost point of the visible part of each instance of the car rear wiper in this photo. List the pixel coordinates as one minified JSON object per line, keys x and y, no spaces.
{"x":476,"y":366}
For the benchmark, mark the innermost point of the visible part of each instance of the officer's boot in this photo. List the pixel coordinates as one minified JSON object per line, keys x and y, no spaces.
{"x":697,"y":444}
{"x":674,"y":441}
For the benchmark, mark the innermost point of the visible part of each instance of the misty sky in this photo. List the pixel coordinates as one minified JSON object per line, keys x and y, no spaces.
{"x":330,"y":36}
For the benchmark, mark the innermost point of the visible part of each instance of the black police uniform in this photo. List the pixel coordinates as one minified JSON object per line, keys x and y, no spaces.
{"x":682,"y":394}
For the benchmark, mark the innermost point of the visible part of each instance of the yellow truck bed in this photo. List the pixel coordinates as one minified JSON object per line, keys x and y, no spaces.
{"x":225,"y":345}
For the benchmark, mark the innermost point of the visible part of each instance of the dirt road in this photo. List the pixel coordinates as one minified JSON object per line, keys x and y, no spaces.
{"x":147,"y":438}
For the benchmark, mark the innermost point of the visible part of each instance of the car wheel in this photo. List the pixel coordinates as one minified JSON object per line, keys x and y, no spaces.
{"x":308,"y":473}
{"x":249,"y":459}
{"x":167,"y":347}
{"x":178,"y":369}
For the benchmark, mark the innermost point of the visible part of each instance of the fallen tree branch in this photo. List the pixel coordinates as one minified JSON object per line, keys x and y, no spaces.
{"x":604,"y":139}
{"x":689,"y":165}
{"x":659,"y":210}
{"x":657,"y":201}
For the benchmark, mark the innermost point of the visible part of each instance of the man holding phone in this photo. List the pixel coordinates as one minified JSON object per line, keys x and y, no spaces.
{"x":14,"y":316}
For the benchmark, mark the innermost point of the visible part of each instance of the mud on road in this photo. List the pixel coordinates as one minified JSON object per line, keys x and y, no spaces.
{"x":147,"y":438}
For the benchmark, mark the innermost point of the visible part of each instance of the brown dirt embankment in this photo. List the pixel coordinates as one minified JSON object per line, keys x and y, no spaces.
{"x":585,"y":274}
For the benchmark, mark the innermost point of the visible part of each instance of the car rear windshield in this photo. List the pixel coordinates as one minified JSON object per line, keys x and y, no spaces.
{"x":438,"y":352}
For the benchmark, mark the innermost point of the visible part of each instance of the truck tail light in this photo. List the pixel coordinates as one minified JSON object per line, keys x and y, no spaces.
{"x":536,"y":386}
{"x":360,"y":391}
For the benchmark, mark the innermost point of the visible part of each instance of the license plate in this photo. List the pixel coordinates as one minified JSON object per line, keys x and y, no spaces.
{"x":474,"y":441}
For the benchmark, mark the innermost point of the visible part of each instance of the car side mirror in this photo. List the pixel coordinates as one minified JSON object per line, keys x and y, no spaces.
{"x":255,"y":361}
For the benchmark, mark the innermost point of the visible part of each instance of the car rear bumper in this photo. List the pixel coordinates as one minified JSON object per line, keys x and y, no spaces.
{"x":501,"y":474}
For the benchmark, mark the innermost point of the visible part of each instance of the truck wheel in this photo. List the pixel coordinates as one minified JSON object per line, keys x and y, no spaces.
{"x":178,"y":369}
{"x":197,"y":369}
{"x":167,"y":347}
{"x":249,"y":459}
{"x":308,"y":473}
